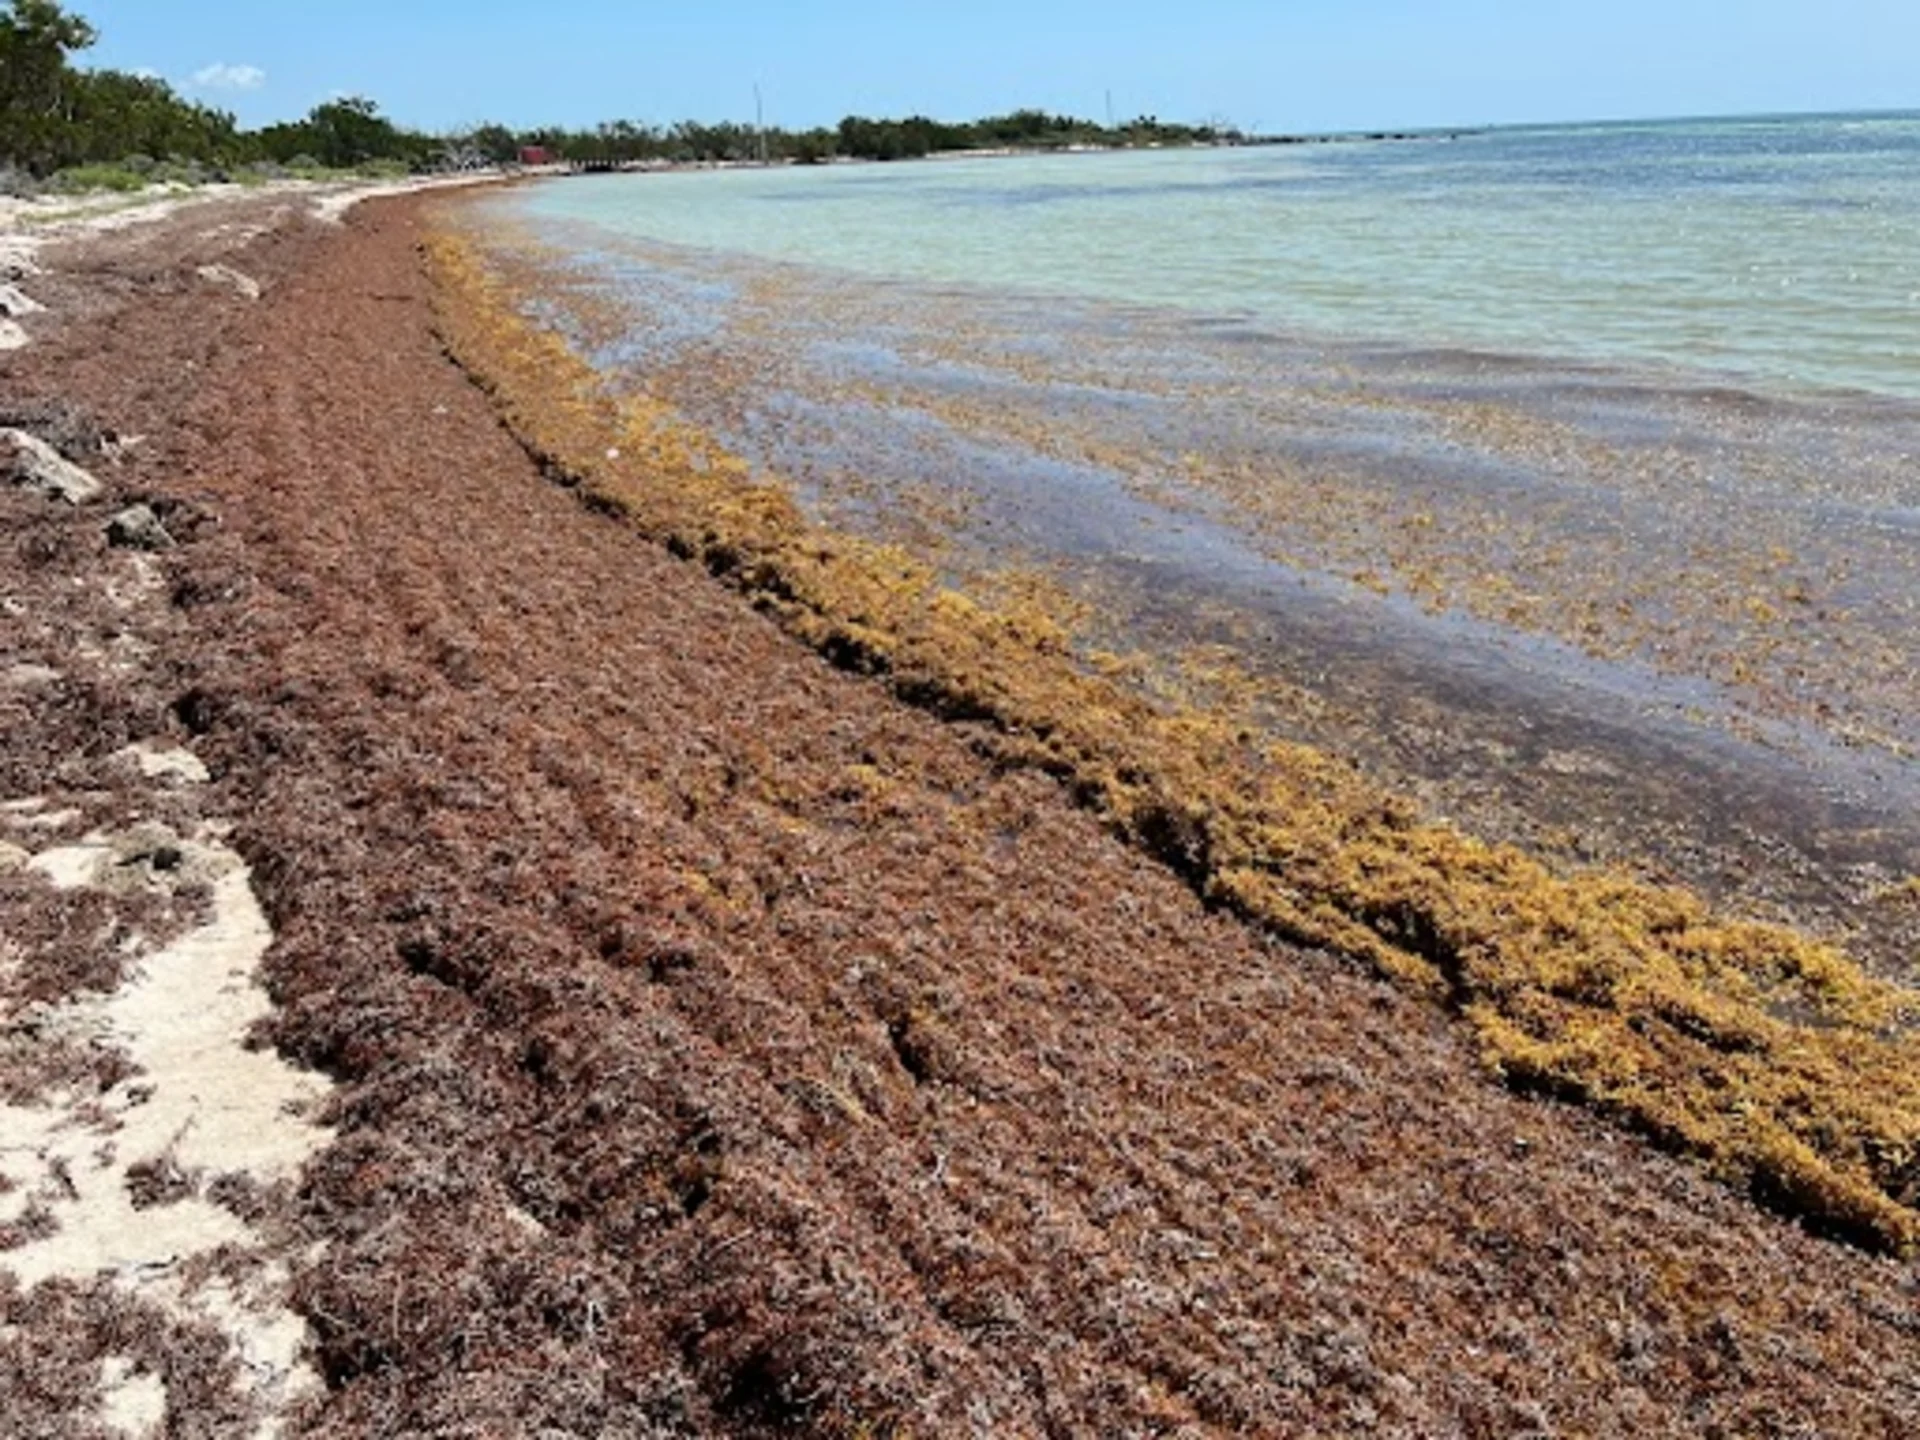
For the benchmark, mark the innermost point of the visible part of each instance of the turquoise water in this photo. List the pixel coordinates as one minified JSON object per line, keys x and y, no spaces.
{"x":1778,"y":254}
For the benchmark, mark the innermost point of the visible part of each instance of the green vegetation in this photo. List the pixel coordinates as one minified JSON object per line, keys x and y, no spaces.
{"x":101,"y":177}
{"x":345,"y":135}
{"x":107,"y":129}
{"x":624,"y":142}
{"x":1023,"y":129}
{"x":110,"y":129}
{"x":54,"y":117}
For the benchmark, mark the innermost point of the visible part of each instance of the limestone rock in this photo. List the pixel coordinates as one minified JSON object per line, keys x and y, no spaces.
{"x":248,"y":287}
{"x":138,"y":528}
{"x":15,"y":302}
{"x":34,"y":463}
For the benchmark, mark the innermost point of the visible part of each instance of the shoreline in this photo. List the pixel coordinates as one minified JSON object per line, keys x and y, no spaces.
{"x":1515,"y":655}
{"x":1005,"y":152}
{"x":723,"y":1046}
{"x":1578,"y":981}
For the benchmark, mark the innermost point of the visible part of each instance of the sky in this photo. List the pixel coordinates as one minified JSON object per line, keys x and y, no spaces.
{"x":1282,"y":65}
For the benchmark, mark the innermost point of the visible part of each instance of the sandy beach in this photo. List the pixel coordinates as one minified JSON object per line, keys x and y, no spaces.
{"x":476,"y":961}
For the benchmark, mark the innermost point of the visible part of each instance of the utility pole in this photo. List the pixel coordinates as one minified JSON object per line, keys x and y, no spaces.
{"x":759,"y":122}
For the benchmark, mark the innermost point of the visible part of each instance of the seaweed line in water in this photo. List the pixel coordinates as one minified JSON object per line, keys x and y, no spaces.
{"x":1772,"y":1057}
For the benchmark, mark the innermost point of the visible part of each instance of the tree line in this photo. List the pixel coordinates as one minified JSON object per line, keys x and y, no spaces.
{"x":856,"y":137}
{"x":57,"y":116}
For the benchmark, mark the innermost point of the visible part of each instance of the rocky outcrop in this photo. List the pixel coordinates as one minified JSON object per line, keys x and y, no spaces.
{"x":30,"y":461}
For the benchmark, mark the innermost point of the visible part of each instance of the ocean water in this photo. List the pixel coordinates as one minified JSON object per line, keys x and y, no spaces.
{"x":1568,"y":478}
{"x":1775,"y":253}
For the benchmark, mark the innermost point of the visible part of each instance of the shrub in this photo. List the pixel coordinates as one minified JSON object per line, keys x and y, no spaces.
{"x":82,"y":178}
{"x":180,"y":172}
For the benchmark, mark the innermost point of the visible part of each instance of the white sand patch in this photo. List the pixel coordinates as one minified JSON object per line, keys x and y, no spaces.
{"x":240,"y":236}
{"x":17,"y":248}
{"x":27,"y":226}
{"x":63,"y":216}
{"x":332,"y":208}
{"x":44,"y":819}
{"x":159,"y":764}
{"x":200,"y":1104}
{"x":133,"y":1403}
{"x":29,"y":677}
{"x":73,"y":867}
{"x":526,"y":1223}
{"x":270,"y":1339}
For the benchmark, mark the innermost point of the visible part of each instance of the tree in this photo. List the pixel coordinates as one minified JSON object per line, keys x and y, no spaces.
{"x":351,"y":132}
{"x":114,"y":115}
{"x":496,"y":143}
{"x":36,"y":83}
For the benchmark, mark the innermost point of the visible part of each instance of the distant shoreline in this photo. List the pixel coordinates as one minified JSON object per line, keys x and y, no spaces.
{"x":998,"y":152}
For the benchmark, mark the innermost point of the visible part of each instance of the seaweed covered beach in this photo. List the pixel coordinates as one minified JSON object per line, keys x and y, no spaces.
{"x":746,"y":973}
{"x":1579,"y":701}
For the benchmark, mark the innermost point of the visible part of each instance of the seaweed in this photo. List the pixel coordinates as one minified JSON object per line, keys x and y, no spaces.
{"x":1771,"y":1056}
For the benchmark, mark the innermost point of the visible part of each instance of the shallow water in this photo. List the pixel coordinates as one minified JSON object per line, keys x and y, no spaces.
{"x":1607,"y":599}
{"x":1777,"y":252}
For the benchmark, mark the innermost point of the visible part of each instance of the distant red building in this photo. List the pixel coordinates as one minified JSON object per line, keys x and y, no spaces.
{"x":535,"y":155}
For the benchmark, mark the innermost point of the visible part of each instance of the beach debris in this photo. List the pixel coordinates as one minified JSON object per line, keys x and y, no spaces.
{"x":227,"y":275}
{"x":28,"y":460}
{"x":138,"y":528}
{"x":13,"y":337}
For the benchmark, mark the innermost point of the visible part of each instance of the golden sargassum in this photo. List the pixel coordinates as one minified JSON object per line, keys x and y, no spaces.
{"x":1771,"y":1056}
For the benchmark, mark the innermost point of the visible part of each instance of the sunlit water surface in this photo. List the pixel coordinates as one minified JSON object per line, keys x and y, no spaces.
{"x":1784,"y":252}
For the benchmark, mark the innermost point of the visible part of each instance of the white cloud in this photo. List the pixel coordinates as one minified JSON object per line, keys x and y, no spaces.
{"x":229,"y":77}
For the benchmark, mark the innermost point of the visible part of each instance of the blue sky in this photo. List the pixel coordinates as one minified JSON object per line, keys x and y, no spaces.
{"x":1281,"y":65}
